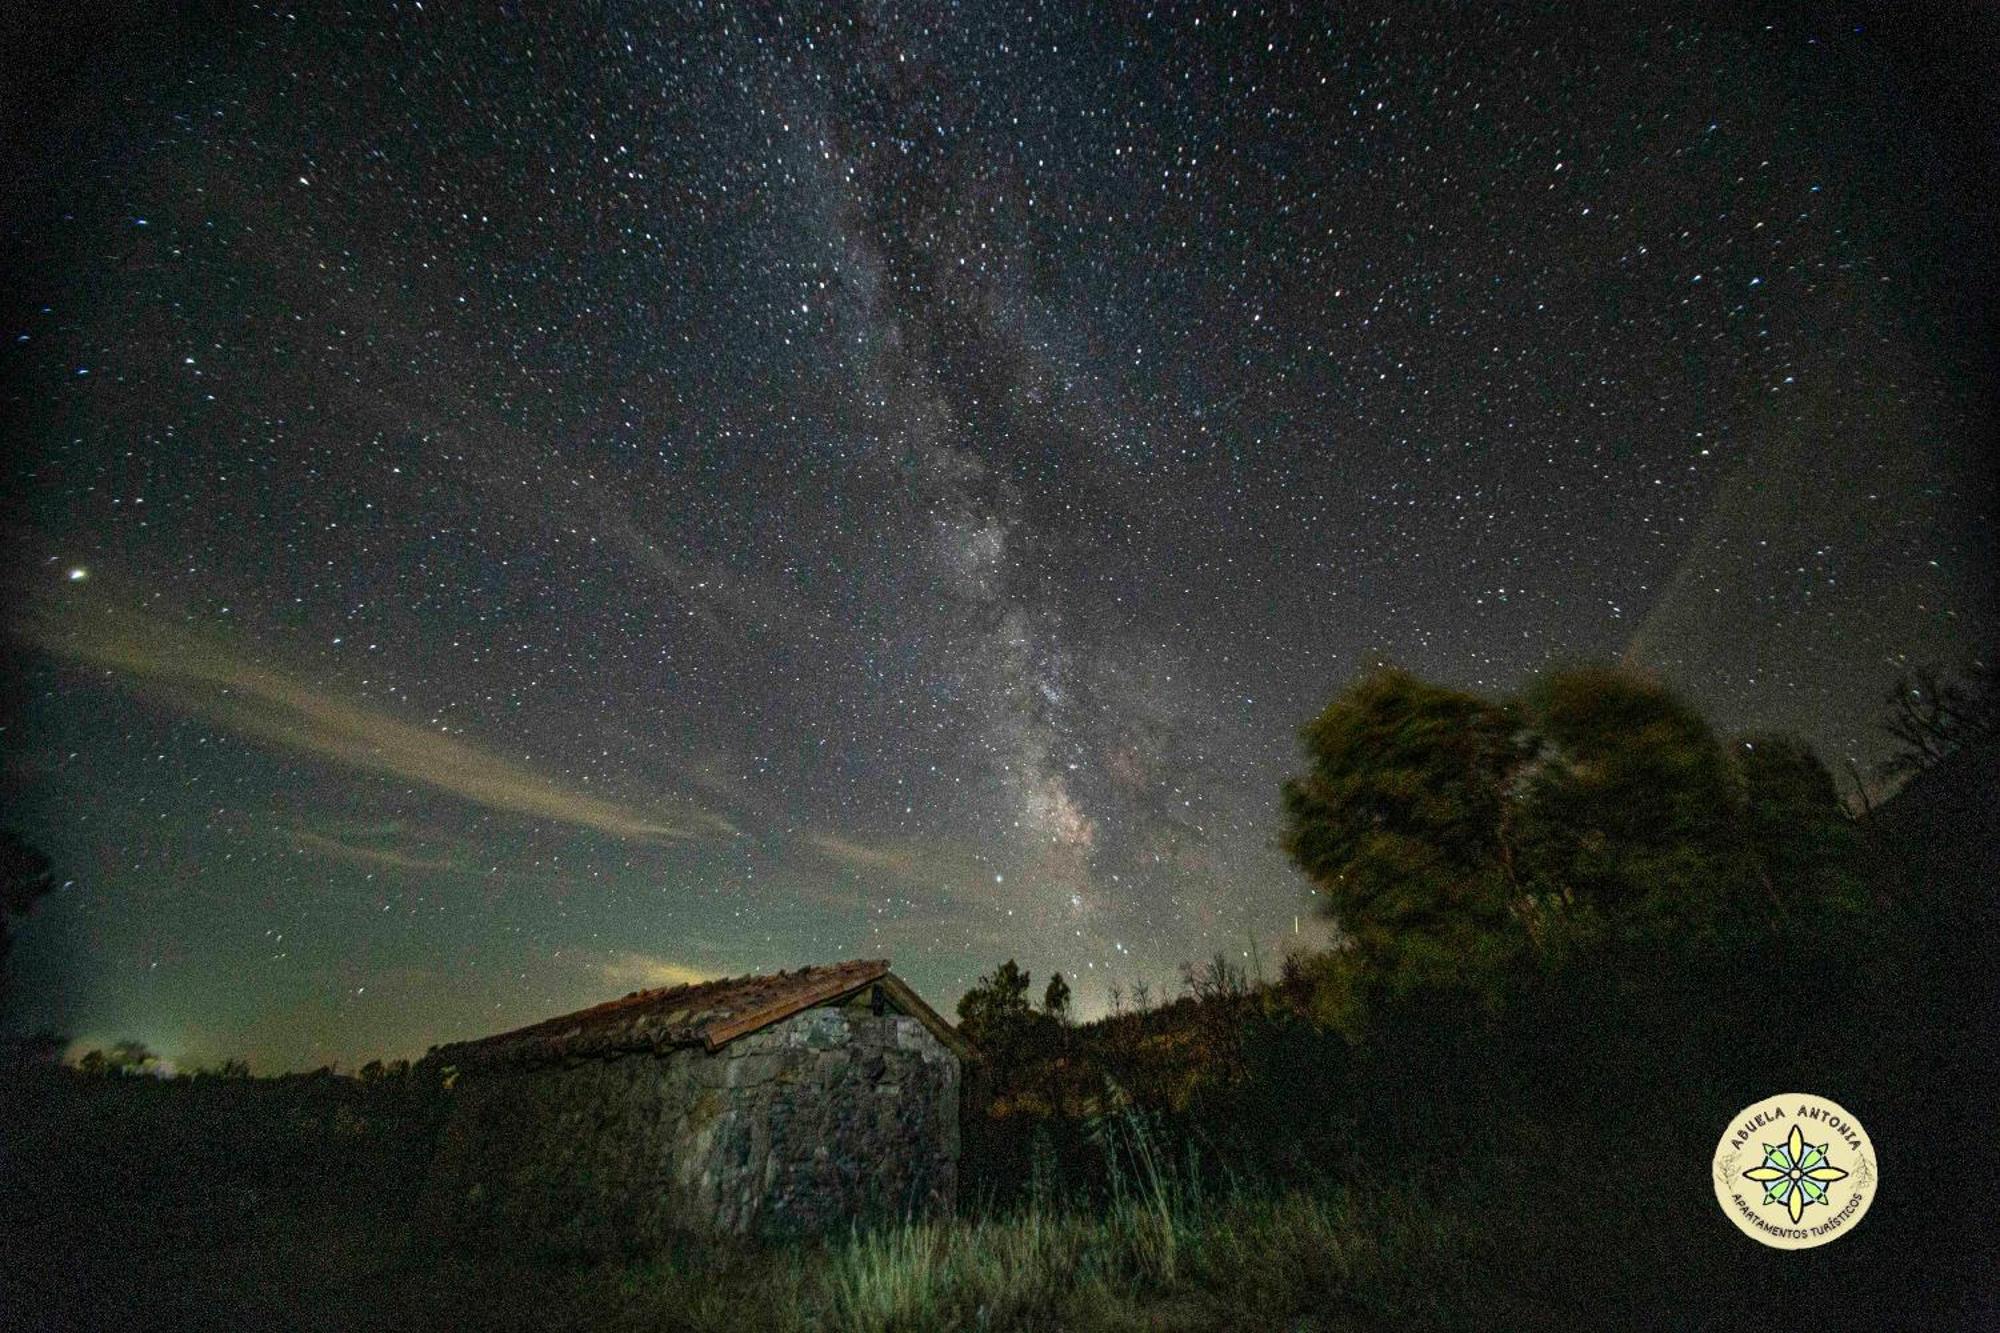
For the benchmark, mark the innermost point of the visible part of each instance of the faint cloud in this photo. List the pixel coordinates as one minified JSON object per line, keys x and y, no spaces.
{"x":715,"y":593}
{"x":861,"y":856}
{"x":207,"y":674}
{"x":930,"y":878}
{"x":717,"y":775}
{"x":645,"y":971}
{"x":379,"y":856}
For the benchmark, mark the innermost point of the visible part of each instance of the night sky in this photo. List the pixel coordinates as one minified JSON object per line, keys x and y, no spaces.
{"x":506,"y":510}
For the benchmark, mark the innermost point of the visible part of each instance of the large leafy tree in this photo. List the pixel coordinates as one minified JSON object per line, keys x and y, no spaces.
{"x":1628,"y":814}
{"x":1807,"y":848}
{"x":1398,"y":821}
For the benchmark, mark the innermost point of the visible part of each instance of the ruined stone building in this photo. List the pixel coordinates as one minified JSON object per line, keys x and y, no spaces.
{"x":767,"y":1104}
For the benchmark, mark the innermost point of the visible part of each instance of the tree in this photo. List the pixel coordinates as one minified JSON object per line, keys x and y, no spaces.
{"x":1055,"y":1000}
{"x":131,"y":1057}
{"x":995,"y":1012}
{"x":1216,"y":981}
{"x":1449,"y":836}
{"x":41,"y":1048}
{"x":1932,"y":714}
{"x":25,"y":878}
{"x":1628,"y":815}
{"x":1807,"y":847}
{"x":124,"y":1057}
{"x":1397,"y":823}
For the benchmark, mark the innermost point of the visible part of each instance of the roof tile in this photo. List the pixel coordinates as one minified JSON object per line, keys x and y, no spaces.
{"x":708,"y":1013}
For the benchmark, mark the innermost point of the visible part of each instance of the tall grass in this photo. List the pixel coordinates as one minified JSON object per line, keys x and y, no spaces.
{"x":1242,"y":1260}
{"x":1157,"y":1249}
{"x":996,"y":1273}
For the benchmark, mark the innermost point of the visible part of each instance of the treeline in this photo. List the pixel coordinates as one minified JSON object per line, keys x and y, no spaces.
{"x":118,"y":1159}
{"x":134,"y":1059}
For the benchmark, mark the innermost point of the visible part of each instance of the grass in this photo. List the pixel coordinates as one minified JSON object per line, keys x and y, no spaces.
{"x":1152,"y":1260}
{"x":1244,"y":1260}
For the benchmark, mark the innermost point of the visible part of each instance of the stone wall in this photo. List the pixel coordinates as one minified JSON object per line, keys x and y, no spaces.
{"x":834,"y":1114}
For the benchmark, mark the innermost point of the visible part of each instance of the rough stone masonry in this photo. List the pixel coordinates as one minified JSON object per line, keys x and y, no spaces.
{"x":848,"y":1110}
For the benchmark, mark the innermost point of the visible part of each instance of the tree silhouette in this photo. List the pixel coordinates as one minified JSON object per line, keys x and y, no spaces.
{"x":995,"y":1012}
{"x":124,"y":1057}
{"x":1805,"y":841}
{"x":1932,"y":713}
{"x":1055,"y":1000}
{"x":1397,"y":823}
{"x":1630,"y":810}
{"x":25,"y":878}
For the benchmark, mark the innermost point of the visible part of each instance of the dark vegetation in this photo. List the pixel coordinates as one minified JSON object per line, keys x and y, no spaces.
{"x":1582,"y":932}
{"x":25,"y":879}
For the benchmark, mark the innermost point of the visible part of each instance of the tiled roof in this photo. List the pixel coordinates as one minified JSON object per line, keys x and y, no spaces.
{"x":707,"y":1014}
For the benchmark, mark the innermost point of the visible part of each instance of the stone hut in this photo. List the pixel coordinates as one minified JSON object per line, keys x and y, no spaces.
{"x":770,"y":1105}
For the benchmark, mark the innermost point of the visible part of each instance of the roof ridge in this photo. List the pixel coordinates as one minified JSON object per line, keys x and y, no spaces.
{"x":663,"y":991}
{"x":711,"y":1013}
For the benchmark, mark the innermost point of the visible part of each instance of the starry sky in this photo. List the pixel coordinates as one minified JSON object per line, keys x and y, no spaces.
{"x":506,"y":508}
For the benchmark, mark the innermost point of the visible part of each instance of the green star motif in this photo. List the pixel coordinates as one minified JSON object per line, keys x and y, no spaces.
{"x":1795,"y":1173}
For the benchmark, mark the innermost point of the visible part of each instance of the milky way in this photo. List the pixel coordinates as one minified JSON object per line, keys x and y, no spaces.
{"x":517,"y":509}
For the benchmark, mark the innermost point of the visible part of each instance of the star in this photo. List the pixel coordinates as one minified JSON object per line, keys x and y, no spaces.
{"x":619,"y":525}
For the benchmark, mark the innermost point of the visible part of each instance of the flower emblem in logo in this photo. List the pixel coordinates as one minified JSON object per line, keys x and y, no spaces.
{"x":1795,"y":1173}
